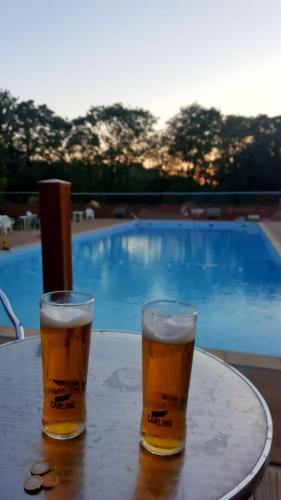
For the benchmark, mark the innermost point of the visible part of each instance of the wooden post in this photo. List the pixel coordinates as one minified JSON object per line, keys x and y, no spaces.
{"x":55,"y":221}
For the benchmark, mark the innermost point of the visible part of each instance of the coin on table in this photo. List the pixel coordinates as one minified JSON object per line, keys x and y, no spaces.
{"x":33,"y":484}
{"x":50,"y":480}
{"x":39,"y":468}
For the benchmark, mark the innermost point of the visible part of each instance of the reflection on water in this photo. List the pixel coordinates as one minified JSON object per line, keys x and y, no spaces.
{"x":202,"y":249}
{"x":231,"y":276}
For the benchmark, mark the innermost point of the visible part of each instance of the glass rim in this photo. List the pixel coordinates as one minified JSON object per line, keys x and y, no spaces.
{"x":192,"y":311}
{"x":89,"y":301}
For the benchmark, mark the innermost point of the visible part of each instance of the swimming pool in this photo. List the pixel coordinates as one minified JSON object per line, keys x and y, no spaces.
{"x":228,"y":271}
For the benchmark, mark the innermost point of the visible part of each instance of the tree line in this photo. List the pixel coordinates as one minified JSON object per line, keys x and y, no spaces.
{"x":116,"y":148}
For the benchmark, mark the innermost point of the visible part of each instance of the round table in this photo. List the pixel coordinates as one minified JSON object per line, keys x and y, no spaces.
{"x":228,"y":442}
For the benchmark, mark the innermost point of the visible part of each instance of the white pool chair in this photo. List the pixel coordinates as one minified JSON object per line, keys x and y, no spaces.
{"x":8,"y":308}
{"x":253,"y":217}
{"x":197,"y":212}
{"x":32,"y":218}
{"x":89,"y":213}
{"x":6,"y":224}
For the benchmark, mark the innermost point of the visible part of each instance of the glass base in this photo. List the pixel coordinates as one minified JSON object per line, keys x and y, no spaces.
{"x":161,"y":451}
{"x":63,"y":436}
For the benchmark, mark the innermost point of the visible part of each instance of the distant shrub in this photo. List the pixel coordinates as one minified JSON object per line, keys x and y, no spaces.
{"x":32,"y":200}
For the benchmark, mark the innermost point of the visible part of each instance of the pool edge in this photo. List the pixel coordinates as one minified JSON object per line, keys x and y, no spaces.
{"x":271,"y":237}
{"x":247,"y":359}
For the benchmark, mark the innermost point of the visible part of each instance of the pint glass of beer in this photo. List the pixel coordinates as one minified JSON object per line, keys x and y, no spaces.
{"x":168,"y":335}
{"x":65,"y":319}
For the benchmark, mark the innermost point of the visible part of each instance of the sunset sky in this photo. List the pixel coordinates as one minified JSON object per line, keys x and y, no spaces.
{"x":156,"y":54}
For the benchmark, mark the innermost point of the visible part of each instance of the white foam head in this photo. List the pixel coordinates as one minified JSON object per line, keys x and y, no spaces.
{"x":64,"y":317}
{"x":168,"y":329}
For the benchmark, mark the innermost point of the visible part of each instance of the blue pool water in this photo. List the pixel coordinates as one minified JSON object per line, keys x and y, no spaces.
{"x":229,"y":272}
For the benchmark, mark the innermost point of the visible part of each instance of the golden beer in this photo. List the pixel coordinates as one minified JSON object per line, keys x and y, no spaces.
{"x":65,"y":343}
{"x":167,"y":349}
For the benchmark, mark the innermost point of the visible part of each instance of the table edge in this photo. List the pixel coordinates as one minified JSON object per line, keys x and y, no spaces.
{"x":264,"y":459}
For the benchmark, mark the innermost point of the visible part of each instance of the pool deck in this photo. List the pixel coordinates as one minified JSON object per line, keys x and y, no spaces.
{"x":263,"y":371}
{"x":20,"y":238}
{"x":23,"y":238}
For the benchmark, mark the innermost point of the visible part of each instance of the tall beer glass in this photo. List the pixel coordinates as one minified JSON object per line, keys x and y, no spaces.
{"x":168,"y":335}
{"x":66,"y":319}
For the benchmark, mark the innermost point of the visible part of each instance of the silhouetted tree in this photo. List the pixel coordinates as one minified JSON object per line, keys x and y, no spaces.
{"x":39,"y":133}
{"x":111,"y":148}
{"x":194,"y":136}
{"x":124,"y":134}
